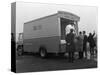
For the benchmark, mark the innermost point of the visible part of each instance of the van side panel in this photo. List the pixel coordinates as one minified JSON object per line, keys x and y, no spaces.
{"x":42,"y":32}
{"x":50,"y":43}
{"x":45,"y":27}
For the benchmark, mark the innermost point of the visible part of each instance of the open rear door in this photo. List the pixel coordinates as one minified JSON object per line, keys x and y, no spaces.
{"x":66,"y":25}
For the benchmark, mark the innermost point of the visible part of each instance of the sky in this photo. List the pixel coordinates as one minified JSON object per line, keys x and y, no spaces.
{"x":27,"y":11}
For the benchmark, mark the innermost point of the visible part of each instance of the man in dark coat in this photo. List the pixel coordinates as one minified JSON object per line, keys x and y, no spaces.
{"x":84,"y":44}
{"x":70,"y":45}
{"x":91,"y":42}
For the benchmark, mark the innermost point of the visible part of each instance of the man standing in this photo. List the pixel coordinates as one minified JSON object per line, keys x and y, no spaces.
{"x":91,"y":42}
{"x":80,"y":45}
{"x":84,"y":44}
{"x":70,"y":45}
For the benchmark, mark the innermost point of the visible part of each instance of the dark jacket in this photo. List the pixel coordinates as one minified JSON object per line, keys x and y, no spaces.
{"x":70,"y":42}
{"x":91,"y":40}
{"x":84,"y":40}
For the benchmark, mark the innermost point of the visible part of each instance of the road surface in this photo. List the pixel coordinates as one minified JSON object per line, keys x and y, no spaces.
{"x":33,"y":63}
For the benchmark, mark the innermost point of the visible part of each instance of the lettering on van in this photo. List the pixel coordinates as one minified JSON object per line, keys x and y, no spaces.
{"x":37,"y":27}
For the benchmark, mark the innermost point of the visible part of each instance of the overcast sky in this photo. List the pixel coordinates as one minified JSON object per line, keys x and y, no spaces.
{"x":30,"y":11}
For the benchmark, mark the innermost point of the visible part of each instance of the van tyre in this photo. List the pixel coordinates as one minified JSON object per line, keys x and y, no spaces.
{"x":43,"y":52}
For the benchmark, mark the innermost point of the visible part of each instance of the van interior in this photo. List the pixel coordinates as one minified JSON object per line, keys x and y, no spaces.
{"x":64,"y":23}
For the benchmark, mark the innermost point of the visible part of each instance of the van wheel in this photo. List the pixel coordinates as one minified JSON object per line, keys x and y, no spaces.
{"x":43,"y":52}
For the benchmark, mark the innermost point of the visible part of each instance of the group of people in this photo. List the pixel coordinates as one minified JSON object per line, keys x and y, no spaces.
{"x":79,"y":43}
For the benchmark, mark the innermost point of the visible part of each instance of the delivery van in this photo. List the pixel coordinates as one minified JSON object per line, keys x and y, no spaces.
{"x":47,"y":34}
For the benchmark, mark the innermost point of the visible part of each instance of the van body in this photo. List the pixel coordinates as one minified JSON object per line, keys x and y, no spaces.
{"x":48,"y":32}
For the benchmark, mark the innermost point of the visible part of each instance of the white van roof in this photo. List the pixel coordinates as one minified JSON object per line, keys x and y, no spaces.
{"x":61,"y":14}
{"x":68,"y":15}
